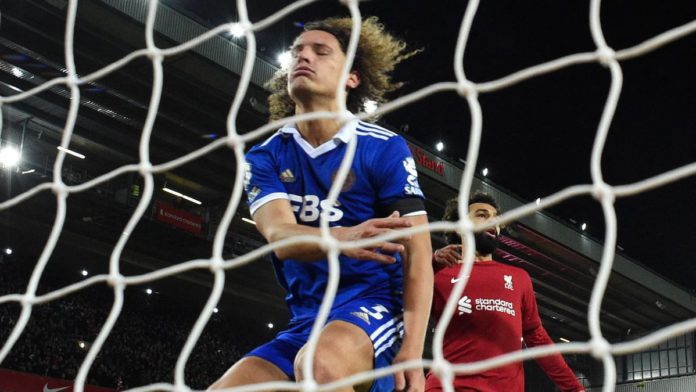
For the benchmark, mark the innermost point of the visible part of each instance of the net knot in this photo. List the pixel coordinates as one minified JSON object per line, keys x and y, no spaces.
{"x":329,"y":243}
{"x":145,"y":168}
{"x":606,"y":55}
{"x":466,"y":88}
{"x":72,"y":80}
{"x":442,"y":369}
{"x":600,"y":347}
{"x":28,"y":299}
{"x":345,"y":117}
{"x":59,"y":188}
{"x":154,"y":54}
{"x":309,"y":386}
{"x":115,"y":281}
{"x":216,"y":264}
{"x":233,"y":139}
{"x":465,"y":225}
{"x":245,"y":25}
{"x":602,"y":190}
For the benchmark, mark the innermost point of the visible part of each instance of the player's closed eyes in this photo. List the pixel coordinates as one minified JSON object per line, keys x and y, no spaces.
{"x":319,"y":49}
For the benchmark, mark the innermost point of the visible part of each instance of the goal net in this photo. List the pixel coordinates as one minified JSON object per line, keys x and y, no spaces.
{"x":469,"y":90}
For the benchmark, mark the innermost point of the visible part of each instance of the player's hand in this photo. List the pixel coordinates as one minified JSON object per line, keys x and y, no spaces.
{"x":381,"y":252}
{"x":448,"y":256}
{"x":411,"y":380}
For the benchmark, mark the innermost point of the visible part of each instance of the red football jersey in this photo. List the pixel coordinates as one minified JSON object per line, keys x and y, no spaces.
{"x":496,"y":310}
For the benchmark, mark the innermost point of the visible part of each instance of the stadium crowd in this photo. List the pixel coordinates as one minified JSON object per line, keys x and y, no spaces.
{"x":142,"y":348}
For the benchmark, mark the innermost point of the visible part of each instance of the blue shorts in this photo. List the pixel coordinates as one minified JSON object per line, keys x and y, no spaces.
{"x":381,"y":320}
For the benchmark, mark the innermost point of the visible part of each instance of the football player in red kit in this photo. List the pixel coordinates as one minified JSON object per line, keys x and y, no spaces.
{"x":496,"y":310}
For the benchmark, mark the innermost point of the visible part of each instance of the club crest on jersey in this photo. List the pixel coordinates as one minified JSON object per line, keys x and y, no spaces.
{"x":287,"y":176}
{"x":348,"y":183}
{"x":410,"y":166}
{"x":508,"y":282}
{"x":412,"y":188}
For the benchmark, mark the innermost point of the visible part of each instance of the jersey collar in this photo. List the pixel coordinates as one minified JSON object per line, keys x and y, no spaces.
{"x":342,"y":136}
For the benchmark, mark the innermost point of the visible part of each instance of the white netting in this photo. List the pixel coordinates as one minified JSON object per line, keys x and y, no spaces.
{"x":469,"y":90}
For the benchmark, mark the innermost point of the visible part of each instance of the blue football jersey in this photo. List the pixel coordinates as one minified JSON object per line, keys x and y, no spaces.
{"x":382,"y":173}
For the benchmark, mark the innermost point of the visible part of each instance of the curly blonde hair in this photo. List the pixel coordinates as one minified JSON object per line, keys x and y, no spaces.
{"x":377,"y":55}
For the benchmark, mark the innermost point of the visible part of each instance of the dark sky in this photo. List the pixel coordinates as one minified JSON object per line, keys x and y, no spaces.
{"x":538,"y":134}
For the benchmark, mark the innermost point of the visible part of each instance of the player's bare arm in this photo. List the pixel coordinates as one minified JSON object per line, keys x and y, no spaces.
{"x":418,"y":290}
{"x":276,"y":221}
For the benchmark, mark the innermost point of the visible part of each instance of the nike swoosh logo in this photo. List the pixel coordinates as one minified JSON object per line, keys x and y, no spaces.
{"x":47,"y":389}
{"x":453,"y":281}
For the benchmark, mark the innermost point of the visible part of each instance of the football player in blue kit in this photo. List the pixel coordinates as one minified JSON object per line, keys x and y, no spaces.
{"x":381,"y":309}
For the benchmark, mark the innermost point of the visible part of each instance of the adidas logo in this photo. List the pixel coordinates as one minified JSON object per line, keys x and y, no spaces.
{"x":464,"y":305}
{"x":287,"y":176}
{"x":253,"y":193}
